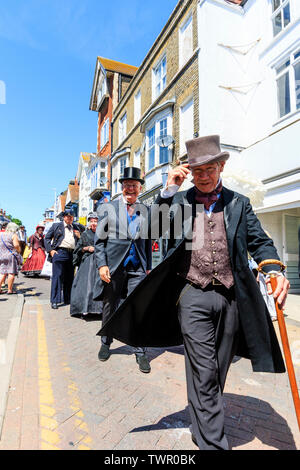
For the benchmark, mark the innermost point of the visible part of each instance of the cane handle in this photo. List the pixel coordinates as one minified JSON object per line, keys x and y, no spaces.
{"x":266,"y":262}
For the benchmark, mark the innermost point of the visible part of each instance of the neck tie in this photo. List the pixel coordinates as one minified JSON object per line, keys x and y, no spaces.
{"x":208,"y":198}
{"x":69,"y":227}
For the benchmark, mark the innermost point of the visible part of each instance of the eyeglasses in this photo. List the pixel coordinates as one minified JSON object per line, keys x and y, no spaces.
{"x":208,"y":171}
{"x":131,"y":185}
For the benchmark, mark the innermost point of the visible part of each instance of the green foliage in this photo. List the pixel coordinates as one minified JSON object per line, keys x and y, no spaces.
{"x":17,"y":221}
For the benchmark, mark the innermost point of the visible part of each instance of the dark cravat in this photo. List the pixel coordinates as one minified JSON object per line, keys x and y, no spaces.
{"x":69,"y":227}
{"x":208,"y":198}
{"x":130,"y":209}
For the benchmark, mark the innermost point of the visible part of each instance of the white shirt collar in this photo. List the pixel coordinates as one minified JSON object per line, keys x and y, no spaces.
{"x":125,"y":201}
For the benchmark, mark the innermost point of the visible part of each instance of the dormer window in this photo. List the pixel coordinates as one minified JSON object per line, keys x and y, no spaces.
{"x":102,"y":90}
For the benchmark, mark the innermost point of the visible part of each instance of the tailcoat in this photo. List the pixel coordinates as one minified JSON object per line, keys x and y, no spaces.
{"x":113,"y":239}
{"x":148,"y":317}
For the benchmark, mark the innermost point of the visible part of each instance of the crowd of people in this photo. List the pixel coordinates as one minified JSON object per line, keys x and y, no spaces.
{"x":20,"y":254}
{"x":202,"y":295}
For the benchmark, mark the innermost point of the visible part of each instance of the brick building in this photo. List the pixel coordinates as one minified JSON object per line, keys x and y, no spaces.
{"x":111,"y":80}
{"x":161,"y":100}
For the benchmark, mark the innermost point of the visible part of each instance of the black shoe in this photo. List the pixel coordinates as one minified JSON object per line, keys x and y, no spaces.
{"x":143,"y":363}
{"x":104,"y":353}
{"x":54,"y":306}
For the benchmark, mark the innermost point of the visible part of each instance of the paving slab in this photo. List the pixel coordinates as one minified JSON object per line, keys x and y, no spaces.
{"x":62,"y":397}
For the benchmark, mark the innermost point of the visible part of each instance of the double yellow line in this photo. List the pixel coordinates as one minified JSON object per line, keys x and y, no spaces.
{"x":50,"y":438}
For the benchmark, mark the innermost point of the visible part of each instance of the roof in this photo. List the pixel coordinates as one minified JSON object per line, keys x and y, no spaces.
{"x":114,"y":66}
{"x":63,"y":198}
{"x":74,"y":192}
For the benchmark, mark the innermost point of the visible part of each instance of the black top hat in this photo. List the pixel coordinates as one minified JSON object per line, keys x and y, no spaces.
{"x":131,"y":173}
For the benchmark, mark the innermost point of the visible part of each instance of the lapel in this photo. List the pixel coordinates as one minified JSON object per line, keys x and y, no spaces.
{"x":232,"y":214}
{"x":121,"y":222}
{"x":190,"y":207}
{"x":133,"y":232}
{"x":61,"y":229}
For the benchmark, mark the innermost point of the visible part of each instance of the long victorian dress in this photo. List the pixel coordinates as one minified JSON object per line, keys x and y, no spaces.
{"x":82,"y":302}
{"x":34,"y":263}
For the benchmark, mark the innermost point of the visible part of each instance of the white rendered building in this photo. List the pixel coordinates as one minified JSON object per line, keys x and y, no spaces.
{"x":249,"y":94}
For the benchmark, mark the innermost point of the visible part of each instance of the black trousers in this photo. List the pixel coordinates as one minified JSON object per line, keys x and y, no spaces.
{"x":209,"y":324}
{"x":123,"y":282}
{"x":62,"y":276}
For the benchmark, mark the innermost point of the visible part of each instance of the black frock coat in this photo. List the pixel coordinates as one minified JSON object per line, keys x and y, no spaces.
{"x":148,"y":317}
{"x":113,"y":239}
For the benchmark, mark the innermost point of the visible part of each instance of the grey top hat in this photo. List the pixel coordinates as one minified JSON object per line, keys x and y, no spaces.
{"x":205,"y":150}
{"x":131,"y":173}
{"x":92,"y":215}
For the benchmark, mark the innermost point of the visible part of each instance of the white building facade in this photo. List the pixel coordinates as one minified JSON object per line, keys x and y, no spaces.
{"x":92,"y":178}
{"x":84,"y":180}
{"x":249,"y":94}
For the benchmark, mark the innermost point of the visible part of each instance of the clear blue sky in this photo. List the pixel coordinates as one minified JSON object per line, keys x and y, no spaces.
{"x":48,"y":51}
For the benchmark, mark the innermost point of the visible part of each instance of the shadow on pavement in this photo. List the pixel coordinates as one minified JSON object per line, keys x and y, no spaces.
{"x":267,"y":425}
{"x":27,"y":291}
{"x":91,"y":317}
{"x":152,"y":353}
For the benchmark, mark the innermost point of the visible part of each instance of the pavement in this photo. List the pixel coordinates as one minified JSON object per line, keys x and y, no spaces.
{"x":61,"y":397}
{"x":11,"y":307}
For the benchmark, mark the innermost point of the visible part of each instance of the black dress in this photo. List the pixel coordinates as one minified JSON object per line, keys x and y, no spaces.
{"x":82,"y":302}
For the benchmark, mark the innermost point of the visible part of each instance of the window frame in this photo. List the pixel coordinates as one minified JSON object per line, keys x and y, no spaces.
{"x":102,"y":90}
{"x":104,"y":134}
{"x":280,"y":69}
{"x":182,"y":148}
{"x":137,"y":106}
{"x":155,"y":69}
{"x":280,"y":9}
{"x":123,"y":128}
{"x":155,"y":123}
{"x":116,"y":173}
{"x":183,"y":60}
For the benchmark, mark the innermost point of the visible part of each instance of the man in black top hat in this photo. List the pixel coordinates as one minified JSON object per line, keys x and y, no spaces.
{"x":123,"y":255}
{"x":60,"y":243}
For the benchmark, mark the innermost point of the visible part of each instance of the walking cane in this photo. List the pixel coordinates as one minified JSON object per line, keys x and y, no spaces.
{"x":284,"y":337}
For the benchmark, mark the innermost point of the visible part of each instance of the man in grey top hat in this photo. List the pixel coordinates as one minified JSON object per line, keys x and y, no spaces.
{"x":203,"y":294}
